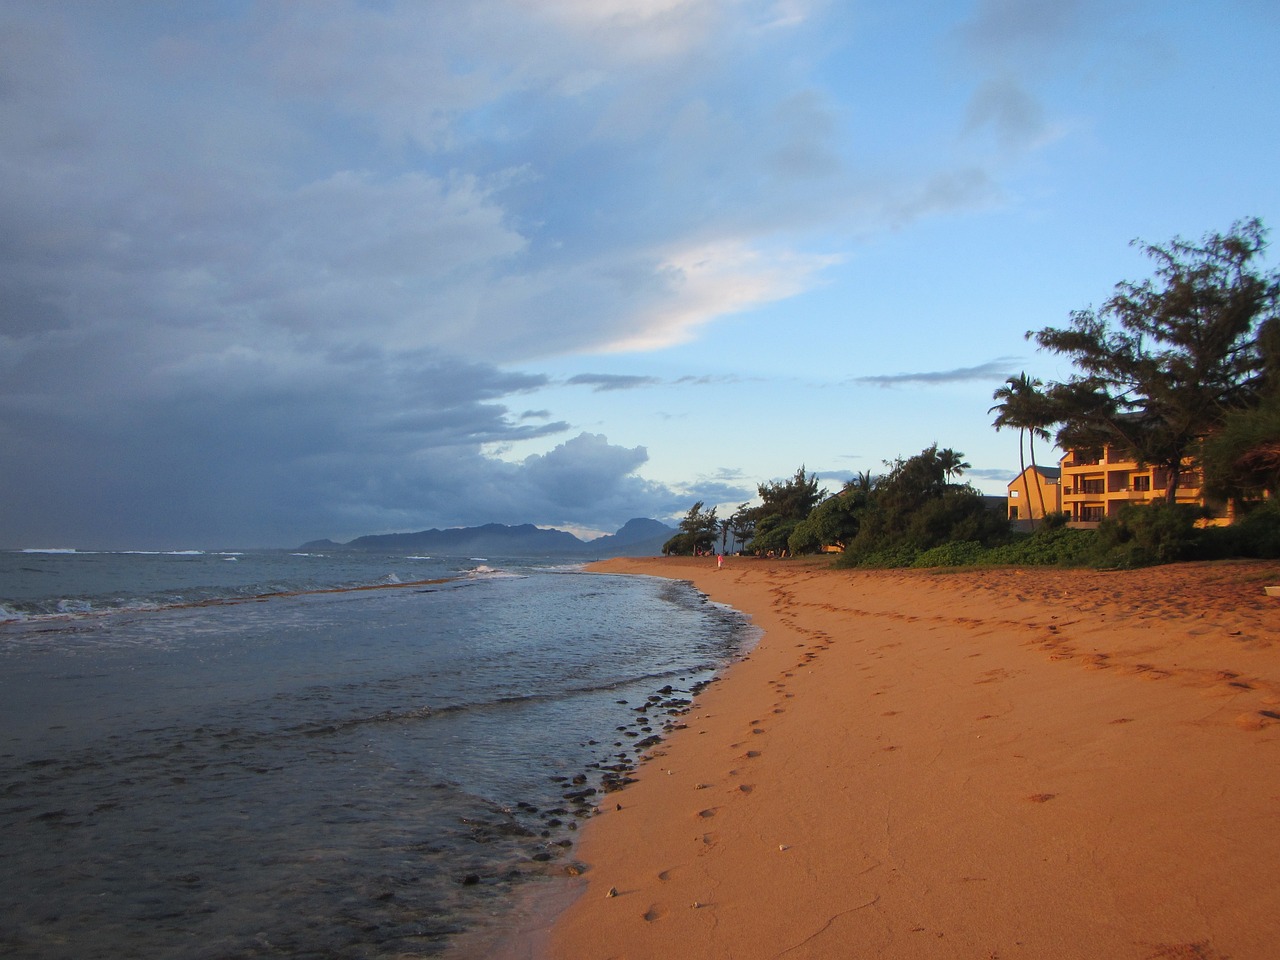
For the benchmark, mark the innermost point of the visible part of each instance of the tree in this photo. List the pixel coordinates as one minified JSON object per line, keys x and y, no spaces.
{"x":1243,"y":458}
{"x":1163,"y":362}
{"x":835,"y":521}
{"x":742,"y":524}
{"x":1023,"y":407}
{"x":916,"y":506}
{"x":783,"y":505}
{"x":791,"y":499}
{"x":698,"y":531}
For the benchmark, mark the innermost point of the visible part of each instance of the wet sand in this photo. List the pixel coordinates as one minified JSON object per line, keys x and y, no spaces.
{"x":982,"y":764}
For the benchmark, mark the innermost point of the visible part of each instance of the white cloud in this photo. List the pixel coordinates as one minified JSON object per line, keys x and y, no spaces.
{"x":707,"y":282}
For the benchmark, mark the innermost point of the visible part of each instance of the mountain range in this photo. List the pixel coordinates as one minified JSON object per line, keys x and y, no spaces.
{"x":636,"y":538}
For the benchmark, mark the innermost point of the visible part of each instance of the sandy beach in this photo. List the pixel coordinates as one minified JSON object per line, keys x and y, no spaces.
{"x":980,"y":764}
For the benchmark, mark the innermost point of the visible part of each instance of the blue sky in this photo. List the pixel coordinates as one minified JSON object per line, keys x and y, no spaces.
{"x":278,"y":271}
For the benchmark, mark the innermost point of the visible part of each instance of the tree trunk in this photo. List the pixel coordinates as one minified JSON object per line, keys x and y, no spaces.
{"x":1175,"y":479}
{"x":1026,"y":484}
{"x":1031,"y":443}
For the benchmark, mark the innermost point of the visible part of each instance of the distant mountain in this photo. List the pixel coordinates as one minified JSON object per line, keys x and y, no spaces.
{"x":636,"y":538}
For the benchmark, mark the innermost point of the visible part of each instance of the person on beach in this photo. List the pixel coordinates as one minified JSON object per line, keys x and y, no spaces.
{"x":719,"y":561}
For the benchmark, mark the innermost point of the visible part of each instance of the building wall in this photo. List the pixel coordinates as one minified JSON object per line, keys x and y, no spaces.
{"x":1097,"y":486}
{"x":1020,"y":508}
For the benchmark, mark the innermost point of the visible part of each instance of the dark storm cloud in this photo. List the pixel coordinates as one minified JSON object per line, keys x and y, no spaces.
{"x":265,"y":268}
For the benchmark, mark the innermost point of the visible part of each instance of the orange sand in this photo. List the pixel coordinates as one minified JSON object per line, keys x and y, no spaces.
{"x":991,"y":764}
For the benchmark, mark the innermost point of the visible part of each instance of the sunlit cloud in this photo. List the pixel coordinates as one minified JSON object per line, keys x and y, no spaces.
{"x":705,"y":283}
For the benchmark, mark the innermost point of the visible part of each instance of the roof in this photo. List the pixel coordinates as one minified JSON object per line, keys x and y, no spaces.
{"x":1049,"y":473}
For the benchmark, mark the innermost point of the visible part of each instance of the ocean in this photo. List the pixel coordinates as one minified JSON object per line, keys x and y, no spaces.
{"x":272,"y":754}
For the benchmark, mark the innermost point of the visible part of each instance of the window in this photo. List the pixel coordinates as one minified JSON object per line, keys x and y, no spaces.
{"x":1092,"y":486}
{"x":1141,"y":481}
{"x":1091,"y":514}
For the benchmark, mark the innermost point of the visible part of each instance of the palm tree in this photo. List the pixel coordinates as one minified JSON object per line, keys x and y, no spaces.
{"x":952,"y":463}
{"x":1023,"y":407}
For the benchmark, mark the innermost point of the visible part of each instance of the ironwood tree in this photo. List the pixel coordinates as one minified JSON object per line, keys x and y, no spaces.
{"x":1164,"y":362}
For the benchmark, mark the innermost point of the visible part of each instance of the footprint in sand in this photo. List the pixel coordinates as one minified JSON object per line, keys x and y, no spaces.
{"x":745,"y":787}
{"x":708,"y":813}
{"x":654,"y":912}
{"x":664,"y":876}
{"x":1199,"y":950}
{"x":1257,"y":720}
{"x":1041,"y":797}
{"x":752,"y":754}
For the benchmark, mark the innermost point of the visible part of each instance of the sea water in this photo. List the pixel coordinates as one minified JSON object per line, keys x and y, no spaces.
{"x":270,"y":754}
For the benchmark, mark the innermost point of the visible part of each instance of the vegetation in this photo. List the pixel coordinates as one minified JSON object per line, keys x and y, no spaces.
{"x":918,"y":505}
{"x":698,"y":532}
{"x":783,"y":506}
{"x":1185,"y":353}
{"x":1024,"y":408}
{"x":1180,"y":369}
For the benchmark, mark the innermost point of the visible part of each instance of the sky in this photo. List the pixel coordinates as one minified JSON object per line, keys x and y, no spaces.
{"x":278,"y":271}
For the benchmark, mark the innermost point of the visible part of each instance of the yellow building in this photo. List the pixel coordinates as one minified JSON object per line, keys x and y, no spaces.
{"x":1043,"y":486}
{"x":1097,"y":484}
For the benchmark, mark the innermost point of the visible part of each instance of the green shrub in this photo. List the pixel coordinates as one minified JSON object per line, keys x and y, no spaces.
{"x":1257,"y":533}
{"x":1149,"y":533}
{"x":1050,"y":546}
{"x":887,"y":558}
{"x":957,"y":553}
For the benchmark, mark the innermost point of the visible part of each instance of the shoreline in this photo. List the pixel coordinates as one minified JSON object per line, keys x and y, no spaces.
{"x":1005,"y":762}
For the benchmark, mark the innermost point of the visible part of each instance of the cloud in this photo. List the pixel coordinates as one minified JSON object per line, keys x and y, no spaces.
{"x":1021,"y":50}
{"x":707,"y":282}
{"x":1029,"y":34}
{"x":991,"y":370}
{"x":1001,"y":475}
{"x":603,"y":382}
{"x":1015,"y":117}
{"x":266,"y":270}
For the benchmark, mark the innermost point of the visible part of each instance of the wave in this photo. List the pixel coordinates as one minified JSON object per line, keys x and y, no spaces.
{"x":674,"y":699}
{"x":79,"y":608}
{"x":486,"y":572}
{"x":156,"y":553}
